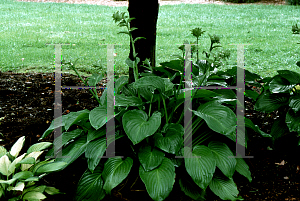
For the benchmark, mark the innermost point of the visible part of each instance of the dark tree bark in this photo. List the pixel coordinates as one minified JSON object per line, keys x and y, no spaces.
{"x":146,"y":13}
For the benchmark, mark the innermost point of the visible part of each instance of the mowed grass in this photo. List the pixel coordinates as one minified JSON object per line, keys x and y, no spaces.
{"x":25,"y":28}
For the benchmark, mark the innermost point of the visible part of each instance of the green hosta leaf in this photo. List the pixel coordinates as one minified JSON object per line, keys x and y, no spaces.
{"x":200,"y":169}
{"x":291,"y":76}
{"x":153,"y":81}
{"x":224,"y":188}
{"x":16,"y":148}
{"x":129,"y":63}
{"x":122,"y":100}
{"x":74,"y":117}
{"x":72,"y":151}
{"x":293,"y":121}
{"x":249,"y":124}
{"x":221,"y":152}
{"x":56,"y":123}
{"x":66,"y":137}
{"x":252,"y":94}
{"x":39,"y":146}
{"x":168,"y":84}
{"x":219,"y":118}
{"x":295,"y":103}
{"x":172,"y":141}
{"x":150,"y":158}
{"x":280,"y":85}
{"x":242,"y":168}
{"x":51,"y":167}
{"x":159,"y":182}
{"x":34,"y":195}
{"x":37,"y":165}
{"x":189,"y":187}
{"x":267,"y":102}
{"x":120,"y":82}
{"x":94,"y":151}
{"x":94,"y":80}
{"x":98,"y":117}
{"x":52,"y":190}
{"x":115,"y":171}
{"x":137,"y":126}
{"x":90,"y":185}
{"x":93,"y":133}
{"x":200,"y":93}
{"x":23,"y":175}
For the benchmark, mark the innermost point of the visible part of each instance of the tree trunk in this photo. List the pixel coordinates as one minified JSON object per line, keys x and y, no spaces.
{"x":146,"y":13}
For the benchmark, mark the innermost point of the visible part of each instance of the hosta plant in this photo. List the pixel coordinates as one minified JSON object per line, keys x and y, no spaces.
{"x":282,"y":93}
{"x":149,"y":133}
{"x":19,"y":174}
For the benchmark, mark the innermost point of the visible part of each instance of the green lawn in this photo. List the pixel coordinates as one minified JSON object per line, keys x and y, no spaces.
{"x":27,"y":26}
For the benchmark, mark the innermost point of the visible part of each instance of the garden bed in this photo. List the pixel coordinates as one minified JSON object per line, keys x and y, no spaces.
{"x":26,"y":102}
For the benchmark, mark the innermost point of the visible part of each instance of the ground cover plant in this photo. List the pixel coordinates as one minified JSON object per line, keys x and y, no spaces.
{"x":166,"y":75}
{"x":265,"y":26}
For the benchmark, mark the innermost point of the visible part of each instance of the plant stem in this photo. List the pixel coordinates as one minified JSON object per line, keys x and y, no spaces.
{"x":166,"y":114}
{"x":86,"y":84}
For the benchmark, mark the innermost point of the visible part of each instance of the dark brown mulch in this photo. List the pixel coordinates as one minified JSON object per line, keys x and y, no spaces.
{"x":26,"y":102}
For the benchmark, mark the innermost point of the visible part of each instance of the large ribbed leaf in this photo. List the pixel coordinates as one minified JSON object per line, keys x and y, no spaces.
{"x":219,"y":118}
{"x":159,"y":182}
{"x":172,"y":141}
{"x":243,"y":168}
{"x":95,"y":150}
{"x":191,"y":189}
{"x":56,"y":123}
{"x":137,"y":126}
{"x":119,"y":83}
{"x":293,"y":121}
{"x":50,"y":167}
{"x":98,"y":117}
{"x":267,"y":102}
{"x":122,"y":100}
{"x":66,"y":137}
{"x":72,"y":151}
{"x":115,"y":171}
{"x":74,"y":117}
{"x":90,"y":185}
{"x":280,"y":85}
{"x":291,"y":76}
{"x":153,"y":81}
{"x":200,"y":169}
{"x":150,"y":158}
{"x":221,"y":152}
{"x":224,"y":188}
{"x":295,"y":103}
